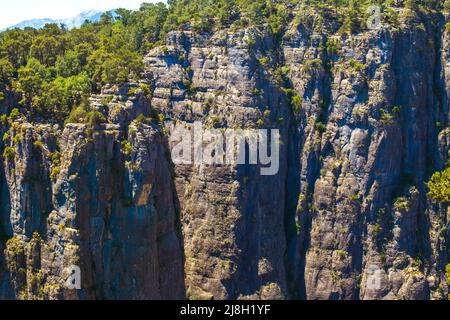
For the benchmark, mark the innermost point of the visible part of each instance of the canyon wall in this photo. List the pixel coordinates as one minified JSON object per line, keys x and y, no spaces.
{"x":363,"y":124}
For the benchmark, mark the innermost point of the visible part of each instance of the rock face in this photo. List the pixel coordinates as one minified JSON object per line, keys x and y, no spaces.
{"x":362,"y":122}
{"x":112,"y":214}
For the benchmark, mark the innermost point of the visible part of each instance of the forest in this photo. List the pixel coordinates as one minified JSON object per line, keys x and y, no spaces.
{"x":54,"y":69}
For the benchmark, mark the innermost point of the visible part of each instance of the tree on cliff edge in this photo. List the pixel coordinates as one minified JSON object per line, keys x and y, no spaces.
{"x":439,"y":186}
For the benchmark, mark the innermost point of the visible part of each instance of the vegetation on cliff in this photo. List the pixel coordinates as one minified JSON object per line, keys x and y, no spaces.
{"x":53,"y":68}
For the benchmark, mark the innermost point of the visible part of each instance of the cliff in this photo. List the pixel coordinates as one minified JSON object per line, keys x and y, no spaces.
{"x":363,"y":124}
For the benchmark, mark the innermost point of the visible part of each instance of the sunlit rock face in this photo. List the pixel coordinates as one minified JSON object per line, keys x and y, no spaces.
{"x":361,"y":128}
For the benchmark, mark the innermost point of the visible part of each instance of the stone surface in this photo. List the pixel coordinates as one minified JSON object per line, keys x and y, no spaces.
{"x":350,"y":195}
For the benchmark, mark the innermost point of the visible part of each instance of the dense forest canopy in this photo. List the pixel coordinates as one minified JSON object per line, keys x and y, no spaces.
{"x":54,"y":69}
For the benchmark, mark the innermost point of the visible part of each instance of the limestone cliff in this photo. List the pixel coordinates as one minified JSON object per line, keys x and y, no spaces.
{"x":363,"y":121}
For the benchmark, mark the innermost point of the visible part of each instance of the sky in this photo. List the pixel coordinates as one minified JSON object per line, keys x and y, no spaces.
{"x":15,"y":11}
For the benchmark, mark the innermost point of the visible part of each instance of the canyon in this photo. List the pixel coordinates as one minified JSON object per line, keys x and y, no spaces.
{"x":363,"y":122}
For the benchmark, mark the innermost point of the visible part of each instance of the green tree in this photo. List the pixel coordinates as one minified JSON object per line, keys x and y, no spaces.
{"x":31,"y":78}
{"x":6,"y":73}
{"x":439,"y":186}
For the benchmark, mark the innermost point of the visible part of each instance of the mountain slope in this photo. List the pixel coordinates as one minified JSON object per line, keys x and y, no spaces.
{"x":73,"y":22}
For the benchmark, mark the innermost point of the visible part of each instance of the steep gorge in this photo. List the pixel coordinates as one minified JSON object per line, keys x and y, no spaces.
{"x":350,"y":194}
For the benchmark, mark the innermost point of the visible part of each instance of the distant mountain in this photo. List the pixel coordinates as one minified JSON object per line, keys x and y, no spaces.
{"x":74,"y":22}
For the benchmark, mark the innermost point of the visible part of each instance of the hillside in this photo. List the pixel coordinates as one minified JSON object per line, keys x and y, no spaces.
{"x":73,"y":22}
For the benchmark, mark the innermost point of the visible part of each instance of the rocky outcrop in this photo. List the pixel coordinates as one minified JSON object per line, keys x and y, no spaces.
{"x":233,"y":218}
{"x":79,"y":199}
{"x":363,"y":123}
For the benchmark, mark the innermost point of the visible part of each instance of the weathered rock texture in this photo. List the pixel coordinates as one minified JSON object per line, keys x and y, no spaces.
{"x":111,"y":213}
{"x":350,"y":194}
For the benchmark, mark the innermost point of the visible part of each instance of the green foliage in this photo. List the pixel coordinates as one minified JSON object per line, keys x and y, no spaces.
{"x":447,"y":27}
{"x":342,"y":254}
{"x":6,"y":73}
{"x":146,"y":89}
{"x":54,"y":173}
{"x":132,"y":91}
{"x":53,"y":68}
{"x":55,"y":158}
{"x":15,"y":113}
{"x":38,"y":144}
{"x":264,"y":61}
{"x":396,"y":110}
{"x":376,"y":230}
{"x":126,"y":147}
{"x":141,"y":119}
{"x":296,"y":103}
{"x":401,"y":203}
{"x":357,"y":66}
{"x":9,"y":153}
{"x":94,"y":118}
{"x":447,"y":273}
{"x":439,"y":186}
{"x":320,"y":127}
{"x":386,"y":118}
{"x":78,"y":115}
{"x":332,"y":47}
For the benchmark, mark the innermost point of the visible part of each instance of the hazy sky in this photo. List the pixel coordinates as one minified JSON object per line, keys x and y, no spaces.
{"x":15,"y":11}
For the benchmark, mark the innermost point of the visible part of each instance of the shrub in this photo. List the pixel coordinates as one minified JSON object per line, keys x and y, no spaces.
{"x":77,"y":115}
{"x":376,"y":230}
{"x":260,"y":122}
{"x":126,"y":147}
{"x":192,"y":88}
{"x":263,"y":61}
{"x":296,"y":103}
{"x":439,"y":186}
{"x":215,"y":121}
{"x":141,"y":119}
{"x":401,"y":203}
{"x":298,"y":227}
{"x":386,"y":117}
{"x":55,"y":157}
{"x":396,"y":110}
{"x":357,"y":66}
{"x":251,"y":42}
{"x":161,"y":118}
{"x":341,"y":254}
{"x":447,"y":27}
{"x":9,"y":153}
{"x":94,"y":118}
{"x":132,"y":91}
{"x":146,"y":89}
{"x":332,"y":47}
{"x":14,"y":114}
{"x":38,"y":144}
{"x":447,"y":273}
{"x":312,"y":64}
{"x":106,"y":100}
{"x":36,"y":236}
{"x":285,"y":70}
{"x":54,"y":173}
{"x":320,"y":127}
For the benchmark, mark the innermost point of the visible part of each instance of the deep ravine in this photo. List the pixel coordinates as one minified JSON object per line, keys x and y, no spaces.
{"x":350,"y":194}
